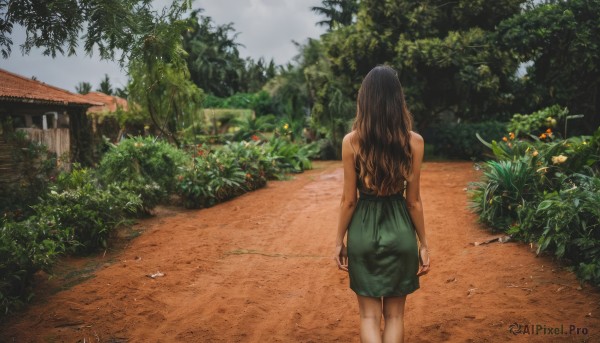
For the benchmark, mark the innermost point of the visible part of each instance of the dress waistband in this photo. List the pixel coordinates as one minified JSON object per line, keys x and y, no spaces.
{"x":373,"y":197}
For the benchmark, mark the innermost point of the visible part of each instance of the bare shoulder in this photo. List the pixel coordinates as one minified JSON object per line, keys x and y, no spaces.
{"x":350,"y":137}
{"x":416,"y":139}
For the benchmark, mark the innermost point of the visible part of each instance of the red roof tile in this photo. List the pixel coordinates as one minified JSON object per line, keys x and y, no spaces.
{"x":111,"y":103}
{"x":17,"y":88}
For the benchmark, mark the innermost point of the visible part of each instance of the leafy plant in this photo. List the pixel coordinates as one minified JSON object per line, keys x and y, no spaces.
{"x":290,"y":157}
{"x":537,"y":122}
{"x":145,"y":166}
{"x":36,"y":168}
{"x":252,"y":128}
{"x":459,"y":140}
{"x":213,"y":178}
{"x":79,"y":205}
{"x":546,"y":191}
{"x":25,"y":248}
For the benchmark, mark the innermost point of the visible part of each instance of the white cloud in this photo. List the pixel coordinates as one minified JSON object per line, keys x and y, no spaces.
{"x":266,"y":29}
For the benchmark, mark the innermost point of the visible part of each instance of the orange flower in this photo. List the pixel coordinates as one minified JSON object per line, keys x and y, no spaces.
{"x":511,"y":135}
{"x":248,"y":176}
{"x":549,"y":130}
{"x":543,"y":136}
{"x":505,"y":139}
{"x":255,"y":138}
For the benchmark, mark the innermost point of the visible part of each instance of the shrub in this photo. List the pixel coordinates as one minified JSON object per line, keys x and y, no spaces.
{"x":213,"y":178}
{"x":145,"y":166}
{"x":327,"y":151}
{"x":25,"y":248}
{"x":79,"y":205}
{"x":36,"y":167}
{"x":76,"y":216}
{"x":537,"y":122}
{"x":260,"y":102}
{"x":459,"y":140}
{"x":546,"y":191}
{"x":290,"y":157}
{"x":225,"y":173}
{"x":255,"y":162}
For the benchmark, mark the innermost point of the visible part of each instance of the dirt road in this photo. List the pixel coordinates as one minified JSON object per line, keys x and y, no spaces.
{"x":258,"y":269}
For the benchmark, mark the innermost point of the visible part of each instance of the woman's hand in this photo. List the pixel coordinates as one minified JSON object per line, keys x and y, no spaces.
{"x":423,"y":261}
{"x":341,"y":257}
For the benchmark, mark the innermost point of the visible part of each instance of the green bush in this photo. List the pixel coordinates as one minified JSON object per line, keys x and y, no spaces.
{"x":252,"y":128}
{"x":260,"y":102}
{"x":36,"y":167}
{"x":145,"y":166}
{"x":255,"y":162}
{"x":213,"y":178}
{"x":25,"y":248}
{"x":225,"y":173}
{"x":290,"y":157}
{"x":459,"y":140}
{"x":537,"y":122}
{"x":327,"y":151}
{"x":79,"y":205}
{"x":239,"y":167}
{"x":546,"y":191}
{"x":76,"y":216}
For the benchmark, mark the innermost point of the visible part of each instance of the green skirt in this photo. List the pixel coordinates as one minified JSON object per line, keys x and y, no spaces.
{"x":383,"y":255}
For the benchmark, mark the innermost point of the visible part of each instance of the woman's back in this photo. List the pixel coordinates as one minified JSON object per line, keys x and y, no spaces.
{"x":382,"y":159}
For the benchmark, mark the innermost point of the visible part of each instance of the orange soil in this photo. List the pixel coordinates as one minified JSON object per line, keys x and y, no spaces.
{"x":258,"y":269}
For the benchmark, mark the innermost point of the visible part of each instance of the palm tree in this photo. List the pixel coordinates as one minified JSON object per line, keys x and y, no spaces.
{"x":83,"y":87}
{"x":337,"y":12}
{"x":105,"y":86}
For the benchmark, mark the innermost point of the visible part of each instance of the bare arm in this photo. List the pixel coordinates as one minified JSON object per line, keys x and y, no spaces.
{"x":413,"y":198}
{"x":348,"y":203}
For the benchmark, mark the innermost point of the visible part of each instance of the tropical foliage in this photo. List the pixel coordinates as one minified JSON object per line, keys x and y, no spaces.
{"x":76,"y":212}
{"x":544,"y":190}
{"x":239,"y":167}
{"x":145,"y":166}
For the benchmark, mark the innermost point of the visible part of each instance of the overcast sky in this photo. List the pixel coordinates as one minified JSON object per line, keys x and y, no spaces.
{"x":266,"y":27}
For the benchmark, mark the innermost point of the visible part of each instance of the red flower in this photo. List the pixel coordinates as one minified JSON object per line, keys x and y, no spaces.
{"x":255,"y":138}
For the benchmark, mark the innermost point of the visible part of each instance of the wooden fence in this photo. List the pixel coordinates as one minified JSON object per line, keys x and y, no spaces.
{"x":57,"y":141}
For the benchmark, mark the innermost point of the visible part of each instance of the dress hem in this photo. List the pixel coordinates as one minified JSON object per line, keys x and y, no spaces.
{"x":400,"y":294}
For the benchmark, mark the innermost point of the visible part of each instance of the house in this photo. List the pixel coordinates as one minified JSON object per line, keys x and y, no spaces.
{"x":48,"y":115}
{"x":104,"y":123}
{"x":110,"y":103}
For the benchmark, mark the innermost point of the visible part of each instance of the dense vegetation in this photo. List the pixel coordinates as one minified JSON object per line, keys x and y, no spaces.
{"x":76,"y":212}
{"x":545,"y":189}
{"x":213,"y":125}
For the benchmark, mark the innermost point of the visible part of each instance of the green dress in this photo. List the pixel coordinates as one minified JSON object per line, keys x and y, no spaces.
{"x":383,"y":256}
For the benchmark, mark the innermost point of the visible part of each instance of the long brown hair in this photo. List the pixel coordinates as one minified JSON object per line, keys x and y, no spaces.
{"x":382,"y":126}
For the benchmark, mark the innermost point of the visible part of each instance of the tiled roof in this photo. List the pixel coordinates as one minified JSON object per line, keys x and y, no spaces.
{"x":111,"y":103}
{"x":17,"y":88}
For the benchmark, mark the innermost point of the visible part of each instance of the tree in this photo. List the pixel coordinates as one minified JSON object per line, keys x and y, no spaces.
{"x":122,"y":92}
{"x":160,"y":81}
{"x":215,"y":63}
{"x":213,"y":56}
{"x":256,"y":74}
{"x":445,"y":52}
{"x":105,"y":86}
{"x":83,"y":87}
{"x":56,"y":25}
{"x":560,"y":41}
{"x":337,"y":12}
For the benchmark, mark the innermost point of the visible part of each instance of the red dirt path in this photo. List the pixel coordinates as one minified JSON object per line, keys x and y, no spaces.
{"x":258,"y":269}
